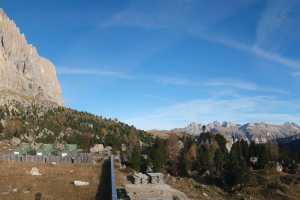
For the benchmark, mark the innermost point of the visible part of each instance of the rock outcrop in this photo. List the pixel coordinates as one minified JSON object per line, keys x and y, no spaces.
{"x":24,"y":75}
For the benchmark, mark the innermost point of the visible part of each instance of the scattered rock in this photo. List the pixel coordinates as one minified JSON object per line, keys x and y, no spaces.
{"x":15,"y":141}
{"x":97,"y":148}
{"x":38,"y":196}
{"x":81,"y":183}
{"x":26,"y":190}
{"x":4,"y":193}
{"x":35,"y":172}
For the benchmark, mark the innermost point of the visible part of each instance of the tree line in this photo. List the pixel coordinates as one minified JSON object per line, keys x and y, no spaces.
{"x":207,"y":158}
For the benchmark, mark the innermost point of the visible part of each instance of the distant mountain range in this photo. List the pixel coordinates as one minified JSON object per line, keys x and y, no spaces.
{"x":258,"y":132}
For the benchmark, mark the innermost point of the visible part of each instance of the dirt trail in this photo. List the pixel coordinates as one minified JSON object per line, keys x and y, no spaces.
{"x":137,"y":192}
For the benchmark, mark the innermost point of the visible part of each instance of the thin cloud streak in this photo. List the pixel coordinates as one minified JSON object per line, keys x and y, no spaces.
{"x":296,"y":74}
{"x":176,"y":81}
{"x":93,"y":72}
{"x":172,"y":81}
{"x":223,"y":83}
{"x":273,"y":18}
{"x":254,"y":50}
{"x":234,"y":84}
{"x":278,"y":21}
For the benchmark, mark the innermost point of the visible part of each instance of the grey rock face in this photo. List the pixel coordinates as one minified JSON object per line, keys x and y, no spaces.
{"x":24,"y":75}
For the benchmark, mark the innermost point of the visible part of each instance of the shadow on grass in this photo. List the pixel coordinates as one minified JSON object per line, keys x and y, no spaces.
{"x":104,"y":188}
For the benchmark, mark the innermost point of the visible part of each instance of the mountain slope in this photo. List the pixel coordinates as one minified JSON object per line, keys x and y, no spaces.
{"x":36,"y":124}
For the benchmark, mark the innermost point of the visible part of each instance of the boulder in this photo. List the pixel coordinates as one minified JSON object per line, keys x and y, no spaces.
{"x":35,"y":172}
{"x":97,"y":148}
{"x":15,"y":141}
{"x":81,"y":183}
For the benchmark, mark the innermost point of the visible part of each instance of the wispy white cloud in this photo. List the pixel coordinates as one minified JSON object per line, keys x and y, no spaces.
{"x":180,"y":81}
{"x":244,"y":85}
{"x":157,"y":98}
{"x":296,"y":73}
{"x":220,"y":82}
{"x":275,"y":28}
{"x":239,"y":109}
{"x":254,"y":50}
{"x":176,"y":14}
{"x":93,"y":72}
{"x":278,"y":24}
{"x":234,"y":84}
{"x":176,"y":81}
{"x":291,"y":63}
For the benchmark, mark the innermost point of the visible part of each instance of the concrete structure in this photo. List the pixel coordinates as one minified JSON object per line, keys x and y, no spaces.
{"x":159,"y":198}
{"x":156,"y":178}
{"x":97,"y":148}
{"x":253,"y":160}
{"x":140,"y":178}
{"x":114,"y":195}
{"x":124,"y":147}
{"x":279,"y":167}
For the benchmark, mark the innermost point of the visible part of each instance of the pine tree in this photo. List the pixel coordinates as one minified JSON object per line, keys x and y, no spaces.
{"x":135,"y":159}
{"x":236,"y":170}
{"x":221,"y":142}
{"x":158,"y":154}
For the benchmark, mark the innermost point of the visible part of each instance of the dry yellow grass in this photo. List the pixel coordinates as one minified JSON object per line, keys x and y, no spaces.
{"x":55,"y":183}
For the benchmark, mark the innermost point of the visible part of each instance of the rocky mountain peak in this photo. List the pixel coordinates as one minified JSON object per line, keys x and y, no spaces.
{"x":259,"y":132}
{"x":24,"y":75}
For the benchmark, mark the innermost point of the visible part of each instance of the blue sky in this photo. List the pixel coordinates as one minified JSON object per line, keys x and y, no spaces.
{"x":165,"y":63}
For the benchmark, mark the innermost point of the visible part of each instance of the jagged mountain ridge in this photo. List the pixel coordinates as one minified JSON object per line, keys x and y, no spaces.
{"x":259,"y":132}
{"x":24,"y":75}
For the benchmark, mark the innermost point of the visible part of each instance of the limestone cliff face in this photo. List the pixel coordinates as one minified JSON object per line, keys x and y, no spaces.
{"x":24,"y":75}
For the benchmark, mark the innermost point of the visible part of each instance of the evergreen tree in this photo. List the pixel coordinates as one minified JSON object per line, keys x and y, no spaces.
{"x":182,"y":165}
{"x":262,"y":155}
{"x":135,"y":159}
{"x":236,"y":170}
{"x":204,"y":160}
{"x":220,"y":160}
{"x":221,"y":142}
{"x":158,"y":154}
